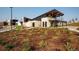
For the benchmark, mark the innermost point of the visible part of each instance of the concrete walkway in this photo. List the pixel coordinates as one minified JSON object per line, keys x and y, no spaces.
{"x":7,"y":28}
{"x":72,"y":28}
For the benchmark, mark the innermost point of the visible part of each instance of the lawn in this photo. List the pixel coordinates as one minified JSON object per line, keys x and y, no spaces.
{"x":39,"y":39}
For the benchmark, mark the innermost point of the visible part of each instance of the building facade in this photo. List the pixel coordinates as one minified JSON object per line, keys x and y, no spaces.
{"x":52,"y":18}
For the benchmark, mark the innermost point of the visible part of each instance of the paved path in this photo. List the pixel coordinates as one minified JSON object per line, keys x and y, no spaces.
{"x":4,"y":29}
{"x":72,"y":28}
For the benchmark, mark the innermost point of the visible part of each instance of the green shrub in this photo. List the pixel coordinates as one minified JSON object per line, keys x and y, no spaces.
{"x":2,"y":42}
{"x":18,"y":27}
{"x":9,"y":46}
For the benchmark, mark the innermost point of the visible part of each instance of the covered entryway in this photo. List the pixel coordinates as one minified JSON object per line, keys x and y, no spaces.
{"x":54,"y":23}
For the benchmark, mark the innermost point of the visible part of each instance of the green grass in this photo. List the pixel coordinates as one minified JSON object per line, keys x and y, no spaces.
{"x":18,"y":27}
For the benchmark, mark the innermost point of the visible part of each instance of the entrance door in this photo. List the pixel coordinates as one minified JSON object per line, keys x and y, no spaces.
{"x":52,"y":24}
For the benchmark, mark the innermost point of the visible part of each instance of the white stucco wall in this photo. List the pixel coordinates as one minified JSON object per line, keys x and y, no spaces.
{"x":29,"y":23}
{"x":45,"y":19}
{"x":40,"y":23}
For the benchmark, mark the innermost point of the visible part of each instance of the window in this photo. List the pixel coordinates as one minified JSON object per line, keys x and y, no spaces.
{"x":45,"y":24}
{"x":33,"y":24}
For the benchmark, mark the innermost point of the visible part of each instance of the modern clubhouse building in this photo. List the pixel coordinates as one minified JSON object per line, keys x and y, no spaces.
{"x":52,"y":18}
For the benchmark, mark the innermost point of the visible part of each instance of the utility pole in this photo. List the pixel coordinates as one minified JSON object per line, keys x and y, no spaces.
{"x":11,"y":18}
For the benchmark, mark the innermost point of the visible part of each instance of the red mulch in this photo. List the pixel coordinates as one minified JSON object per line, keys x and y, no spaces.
{"x":55,"y":38}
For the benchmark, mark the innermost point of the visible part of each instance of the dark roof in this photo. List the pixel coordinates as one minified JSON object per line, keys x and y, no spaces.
{"x":53,"y":13}
{"x":25,"y":18}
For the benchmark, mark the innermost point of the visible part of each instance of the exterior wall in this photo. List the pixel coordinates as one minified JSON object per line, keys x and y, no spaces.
{"x":46,"y":19}
{"x":59,"y":24}
{"x":43,"y":23}
{"x":30,"y":24}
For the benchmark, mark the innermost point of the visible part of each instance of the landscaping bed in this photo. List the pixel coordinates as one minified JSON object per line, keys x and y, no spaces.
{"x":39,"y":39}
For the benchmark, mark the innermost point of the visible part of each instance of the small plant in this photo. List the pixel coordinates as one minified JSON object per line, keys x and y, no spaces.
{"x":14,"y":37}
{"x":42,"y":37}
{"x":69,"y":47}
{"x":2,"y":42}
{"x":46,"y":32}
{"x":9,"y":46}
{"x":26,"y":45}
{"x":42,"y":43}
{"x":18,"y":28}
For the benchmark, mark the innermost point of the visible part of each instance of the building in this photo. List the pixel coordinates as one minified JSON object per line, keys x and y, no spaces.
{"x":14,"y":22}
{"x":52,"y":18}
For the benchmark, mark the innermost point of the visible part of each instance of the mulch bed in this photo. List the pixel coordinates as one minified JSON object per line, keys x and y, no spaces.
{"x":55,"y":39}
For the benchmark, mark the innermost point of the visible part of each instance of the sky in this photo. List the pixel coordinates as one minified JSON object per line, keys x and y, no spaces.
{"x":32,"y":12}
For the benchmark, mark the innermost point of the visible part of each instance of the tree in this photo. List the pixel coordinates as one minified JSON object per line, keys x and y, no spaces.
{"x":76,"y":19}
{"x":5,"y":23}
{"x":73,"y":20}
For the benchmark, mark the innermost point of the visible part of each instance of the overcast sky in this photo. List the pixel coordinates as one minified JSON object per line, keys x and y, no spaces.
{"x":32,"y":12}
